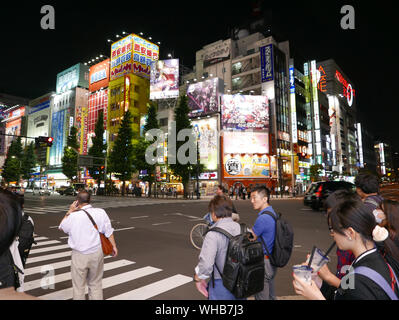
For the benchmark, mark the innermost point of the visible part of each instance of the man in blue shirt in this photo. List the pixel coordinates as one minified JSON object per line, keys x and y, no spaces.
{"x":265,"y":227}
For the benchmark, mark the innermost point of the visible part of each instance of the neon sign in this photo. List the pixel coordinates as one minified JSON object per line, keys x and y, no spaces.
{"x":348,"y":91}
{"x":322,"y":83}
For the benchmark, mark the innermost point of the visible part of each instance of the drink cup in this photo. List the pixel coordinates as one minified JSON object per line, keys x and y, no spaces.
{"x":303,"y":272}
{"x":319,"y":260}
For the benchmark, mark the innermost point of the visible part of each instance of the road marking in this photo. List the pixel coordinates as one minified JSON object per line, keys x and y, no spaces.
{"x":67,"y":275}
{"x":154,"y":289}
{"x":53,"y":227}
{"x":107,"y":282}
{"x":306,"y":209}
{"x":139,"y":217}
{"x":40,"y":238}
{"x":47,"y":249}
{"x":161,"y":223}
{"x":44,"y":243}
{"x":124,"y":229}
{"x":49,"y":257}
{"x":53,"y":266}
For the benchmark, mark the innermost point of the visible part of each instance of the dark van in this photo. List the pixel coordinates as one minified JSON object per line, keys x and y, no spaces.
{"x":319,"y":191}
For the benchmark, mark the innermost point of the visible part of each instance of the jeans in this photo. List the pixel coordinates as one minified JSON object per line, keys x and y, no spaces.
{"x":268,"y":292}
{"x":219,"y":292}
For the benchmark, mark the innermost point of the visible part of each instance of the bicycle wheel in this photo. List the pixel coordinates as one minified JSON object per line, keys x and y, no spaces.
{"x":197,"y":235}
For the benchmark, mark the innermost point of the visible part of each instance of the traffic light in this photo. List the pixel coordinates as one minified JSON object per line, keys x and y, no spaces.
{"x":44,"y":141}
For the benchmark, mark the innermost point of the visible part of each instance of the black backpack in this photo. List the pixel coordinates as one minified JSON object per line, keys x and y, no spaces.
{"x":25,"y":238}
{"x":244,"y":268}
{"x":283,"y":241}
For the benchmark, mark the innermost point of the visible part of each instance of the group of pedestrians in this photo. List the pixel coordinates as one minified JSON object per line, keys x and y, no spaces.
{"x":365,"y":228}
{"x":240,"y":192}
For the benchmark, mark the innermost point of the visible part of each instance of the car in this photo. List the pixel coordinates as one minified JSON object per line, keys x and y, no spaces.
{"x":41,"y":191}
{"x":69,"y":192}
{"x":318,"y":192}
{"x":61,"y":189}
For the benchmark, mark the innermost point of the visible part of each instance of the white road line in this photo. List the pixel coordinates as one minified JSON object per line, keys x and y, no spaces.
{"x":107,"y":282}
{"x":53,"y":227}
{"x":47,"y":249}
{"x":124,"y":229}
{"x":40,"y":238}
{"x":161,"y":223}
{"x":49,"y":257}
{"x":44,"y":243}
{"x":154,"y":289}
{"x":67,"y":275}
{"x":53,"y":266}
{"x":139,"y":217}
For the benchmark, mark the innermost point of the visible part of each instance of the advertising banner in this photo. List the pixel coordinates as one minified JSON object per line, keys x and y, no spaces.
{"x":77,"y":75}
{"x":246,"y":166}
{"x":203,"y":97}
{"x":216,"y":53}
{"x":266,"y":63}
{"x":58,"y":124}
{"x":164,"y":82}
{"x":39,"y":123}
{"x":99,"y":75}
{"x":245,"y":142}
{"x":206,"y":130}
{"x":132,"y":54}
{"x":240,"y":112}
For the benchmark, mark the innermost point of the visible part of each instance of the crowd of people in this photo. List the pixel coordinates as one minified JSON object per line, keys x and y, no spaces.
{"x":364,"y":226}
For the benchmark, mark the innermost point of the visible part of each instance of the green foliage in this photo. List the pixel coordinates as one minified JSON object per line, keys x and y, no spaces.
{"x":120,"y":159}
{"x":70,"y":158}
{"x":28,"y":161}
{"x":12,"y":165}
{"x":315,"y":171}
{"x":98,"y":149}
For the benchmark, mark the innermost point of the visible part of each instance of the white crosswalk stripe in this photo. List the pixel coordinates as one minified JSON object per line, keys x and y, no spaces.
{"x":50,"y":274}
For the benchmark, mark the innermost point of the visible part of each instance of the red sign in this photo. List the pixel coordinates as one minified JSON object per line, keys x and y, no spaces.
{"x":322,"y":84}
{"x":348,"y":91}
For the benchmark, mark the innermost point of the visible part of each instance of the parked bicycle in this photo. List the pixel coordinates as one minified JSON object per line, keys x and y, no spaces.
{"x":197,"y":233}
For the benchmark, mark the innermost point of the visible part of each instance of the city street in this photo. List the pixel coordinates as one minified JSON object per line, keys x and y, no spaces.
{"x":156,"y":259}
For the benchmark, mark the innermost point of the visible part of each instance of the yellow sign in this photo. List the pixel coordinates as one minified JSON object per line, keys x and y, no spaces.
{"x":246,"y":166}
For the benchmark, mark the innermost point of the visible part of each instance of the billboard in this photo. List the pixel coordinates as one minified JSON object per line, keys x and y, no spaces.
{"x":99,"y":76}
{"x":164,"y":82}
{"x":240,"y":112}
{"x":58,"y":125}
{"x":77,"y":75}
{"x":266,"y":63}
{"x":217,"y":52}
{"x":245,"y":142}
{"x":246,"y":166}
{"x":39,"y":120}
{"x":203,"y":97}
{"x":13,"y":124}
{"x":207,"y":132}
{"x":132,"y":54}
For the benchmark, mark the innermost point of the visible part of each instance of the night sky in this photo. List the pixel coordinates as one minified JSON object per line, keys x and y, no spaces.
{"x":31,"y":57}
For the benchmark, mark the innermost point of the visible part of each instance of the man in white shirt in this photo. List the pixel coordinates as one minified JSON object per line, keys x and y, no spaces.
{"x":87,"y":256}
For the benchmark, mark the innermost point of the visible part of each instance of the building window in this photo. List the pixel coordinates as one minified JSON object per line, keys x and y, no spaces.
{"x":163,"y":122}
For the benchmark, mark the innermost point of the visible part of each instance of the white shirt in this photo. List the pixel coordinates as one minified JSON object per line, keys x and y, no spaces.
{"x":83,"y":237}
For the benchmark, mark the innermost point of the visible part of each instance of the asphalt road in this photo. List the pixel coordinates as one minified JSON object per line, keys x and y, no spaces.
{"x":156,"y":259}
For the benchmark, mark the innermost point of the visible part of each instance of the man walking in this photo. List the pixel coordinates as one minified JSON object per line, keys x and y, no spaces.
{"x":264,"y":228}
{"x":87,"y":264}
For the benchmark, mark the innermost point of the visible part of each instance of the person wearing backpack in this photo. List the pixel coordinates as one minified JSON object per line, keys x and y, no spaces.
{"x":264,"y":229}
{"x":214,"y":250}
{"x":371,"y":276}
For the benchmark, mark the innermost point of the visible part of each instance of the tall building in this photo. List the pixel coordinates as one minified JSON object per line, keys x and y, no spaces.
{"x":70,"y":99}
{"x":385,"y":164}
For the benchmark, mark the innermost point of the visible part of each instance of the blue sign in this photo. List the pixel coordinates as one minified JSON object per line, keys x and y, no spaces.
{"x":292,"y":80}
{"x":266,"y":63}
{"x":57,"y":132}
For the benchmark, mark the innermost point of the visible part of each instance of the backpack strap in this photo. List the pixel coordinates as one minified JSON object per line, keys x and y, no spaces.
{"x":371,"y":201}
{"x":275,"y":217}
{"x":378,"y":279}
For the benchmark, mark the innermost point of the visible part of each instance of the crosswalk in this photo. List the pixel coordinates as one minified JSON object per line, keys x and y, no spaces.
{"x":48,"y":275}
{"x":111,"y":203}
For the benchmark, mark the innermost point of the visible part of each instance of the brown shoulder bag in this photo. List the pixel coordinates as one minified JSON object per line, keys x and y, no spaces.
{"x":105,"y":243}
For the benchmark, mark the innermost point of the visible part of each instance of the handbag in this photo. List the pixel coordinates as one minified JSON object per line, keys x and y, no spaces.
{"x":105,"y":243}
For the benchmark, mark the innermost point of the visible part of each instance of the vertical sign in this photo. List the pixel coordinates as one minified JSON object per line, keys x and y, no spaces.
{"x":360,"y":144}
{"x":316,"y":110}
{"x":266,"y":63}
{"x":127,"y":92}
{"x":294,"y":129}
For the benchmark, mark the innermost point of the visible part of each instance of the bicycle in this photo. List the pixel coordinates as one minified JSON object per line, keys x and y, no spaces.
{"x":197,"y":233}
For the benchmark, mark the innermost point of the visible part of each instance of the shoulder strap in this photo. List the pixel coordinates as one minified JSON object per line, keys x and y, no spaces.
{"x":275,"y":216}
{"x":91,"y":219}
{"x":378,"y":279}
{"x":222,"y":231}
{"x":371,"y":201}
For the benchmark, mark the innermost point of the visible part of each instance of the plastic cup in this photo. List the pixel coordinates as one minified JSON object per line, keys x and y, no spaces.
{"x":319,"y":260}
{"x":303,"y":272}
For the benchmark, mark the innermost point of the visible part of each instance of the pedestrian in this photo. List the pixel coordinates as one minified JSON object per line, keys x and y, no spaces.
{"x":10,"y":223}
{"x":265,"y":227}
{"x":352,"y":225}
{"x":236,"y":191}
{"x":244,"y":192}
{"x":231,"y":192}
{"x":367,"y":187}
{"x":214,"y":250}
{"x":87,"y":263}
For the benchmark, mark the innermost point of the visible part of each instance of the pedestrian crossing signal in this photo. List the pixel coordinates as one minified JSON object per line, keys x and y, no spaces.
{"x":44,"y":141}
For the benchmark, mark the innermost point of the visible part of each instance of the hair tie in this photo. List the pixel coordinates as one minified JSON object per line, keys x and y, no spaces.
{"x":380,"y":234}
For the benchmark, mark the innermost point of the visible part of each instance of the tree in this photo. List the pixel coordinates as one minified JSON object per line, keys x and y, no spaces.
{"x":70,"y":158}
{"x":98,"y":149}
{"x":12,"y":164}
{"x":120,"y":158}
{"x":183,"y":122}
{"x":28,"y":161}
{"x":315,"y":171}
